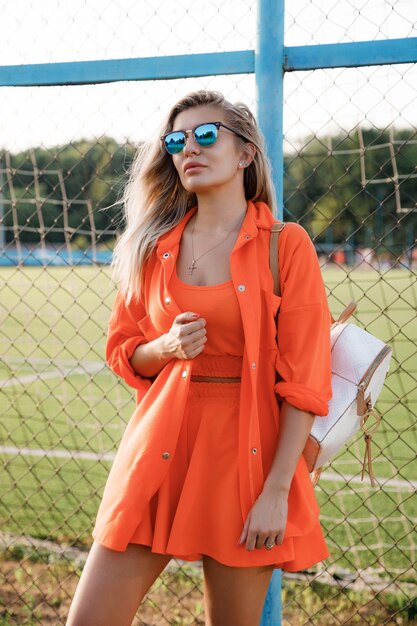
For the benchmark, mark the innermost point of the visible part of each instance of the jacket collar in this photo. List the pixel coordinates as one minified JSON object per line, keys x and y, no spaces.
{"x":258,"y":215}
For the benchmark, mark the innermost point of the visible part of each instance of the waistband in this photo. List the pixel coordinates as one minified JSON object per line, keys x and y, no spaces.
{"x":222,"y":366}
{"x":215,"y":379}
{"x":218,"y":367}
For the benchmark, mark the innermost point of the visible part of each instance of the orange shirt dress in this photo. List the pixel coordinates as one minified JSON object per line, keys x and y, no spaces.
{"x":197,"y":508}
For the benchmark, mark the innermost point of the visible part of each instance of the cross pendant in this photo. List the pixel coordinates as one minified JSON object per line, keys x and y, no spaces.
{"x":192,"y":267}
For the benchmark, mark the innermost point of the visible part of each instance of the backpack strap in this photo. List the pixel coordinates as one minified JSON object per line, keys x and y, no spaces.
{"x":273,"y":255}
{"x":273,"y":263}
{"x":346,"y":313}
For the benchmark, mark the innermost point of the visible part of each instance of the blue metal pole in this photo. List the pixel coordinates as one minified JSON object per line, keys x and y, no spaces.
{"x":271,"y":614}
{"x":269,"y":75}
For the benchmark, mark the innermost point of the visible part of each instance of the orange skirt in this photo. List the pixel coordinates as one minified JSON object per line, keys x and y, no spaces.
{"x":196,"y":510}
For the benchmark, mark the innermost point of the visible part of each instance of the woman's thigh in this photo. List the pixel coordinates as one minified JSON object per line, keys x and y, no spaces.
{"x":113,"y":584}
{"x":234,"y":595}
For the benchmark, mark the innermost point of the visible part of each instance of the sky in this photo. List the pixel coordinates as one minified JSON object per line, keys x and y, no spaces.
{"x":322,"y":101}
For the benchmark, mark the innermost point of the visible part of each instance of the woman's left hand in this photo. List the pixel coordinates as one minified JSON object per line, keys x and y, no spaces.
{"x":266,"y":521}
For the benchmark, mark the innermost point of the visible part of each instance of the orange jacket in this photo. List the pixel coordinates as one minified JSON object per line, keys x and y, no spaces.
{"x":302,"y":361}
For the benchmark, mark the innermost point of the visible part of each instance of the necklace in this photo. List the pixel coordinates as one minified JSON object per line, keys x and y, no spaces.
{"x":193,"y":265}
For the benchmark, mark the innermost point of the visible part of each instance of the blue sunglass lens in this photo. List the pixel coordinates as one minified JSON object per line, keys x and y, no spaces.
{"x":206,"y":134}
{"x":174,"y":142}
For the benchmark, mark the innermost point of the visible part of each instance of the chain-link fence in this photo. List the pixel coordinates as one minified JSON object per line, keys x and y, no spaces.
{"x":350,"y":180}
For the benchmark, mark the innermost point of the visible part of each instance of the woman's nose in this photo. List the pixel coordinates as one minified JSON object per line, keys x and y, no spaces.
{"x":191,"y":145}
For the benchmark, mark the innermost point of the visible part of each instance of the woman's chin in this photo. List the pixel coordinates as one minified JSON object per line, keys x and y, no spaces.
{"x":195,"y":187}
{"x":201,"y":187}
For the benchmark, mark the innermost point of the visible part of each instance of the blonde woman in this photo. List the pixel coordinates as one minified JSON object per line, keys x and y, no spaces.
{"x":210,"y":466}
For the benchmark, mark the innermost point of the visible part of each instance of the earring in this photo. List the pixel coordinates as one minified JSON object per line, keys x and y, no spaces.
{"x":242,"y":164}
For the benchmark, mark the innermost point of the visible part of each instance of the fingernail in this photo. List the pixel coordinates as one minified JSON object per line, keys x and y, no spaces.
{"x":195,"y":314}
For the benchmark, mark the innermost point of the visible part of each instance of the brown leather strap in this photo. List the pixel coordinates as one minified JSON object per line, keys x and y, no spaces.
{"x":347,"y":312}
{"x":315,"y":476}
{"x":215,"y":379}
{"x":273,"y":255}
{"x":368,"y":456}
{"x":368,"y":438}
{"x":274,"y":265}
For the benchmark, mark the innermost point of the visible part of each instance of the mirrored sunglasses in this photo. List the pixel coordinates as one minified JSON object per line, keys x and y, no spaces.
{"x":204,"y":134}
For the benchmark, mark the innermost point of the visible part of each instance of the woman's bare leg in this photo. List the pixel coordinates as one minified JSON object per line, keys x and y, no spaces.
{"x":234,"y":595}
{"x":113,"y":584}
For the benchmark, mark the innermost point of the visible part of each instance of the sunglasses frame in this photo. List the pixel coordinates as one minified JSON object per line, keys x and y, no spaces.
{"x":192,"y":130}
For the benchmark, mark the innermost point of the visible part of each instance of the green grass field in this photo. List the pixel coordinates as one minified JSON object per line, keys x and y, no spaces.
{"x":58,"y":395}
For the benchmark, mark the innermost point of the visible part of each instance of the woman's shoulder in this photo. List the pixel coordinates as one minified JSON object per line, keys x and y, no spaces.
{"x":294,"y":236}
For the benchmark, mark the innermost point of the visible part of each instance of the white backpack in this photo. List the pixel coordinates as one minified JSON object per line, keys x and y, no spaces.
{"x":360,"y":363}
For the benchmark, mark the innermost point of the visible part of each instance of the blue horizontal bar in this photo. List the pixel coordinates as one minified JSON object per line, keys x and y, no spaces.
{"x":295,"y":58}
{"x":148,"y":68}
{"x":352,"y":54}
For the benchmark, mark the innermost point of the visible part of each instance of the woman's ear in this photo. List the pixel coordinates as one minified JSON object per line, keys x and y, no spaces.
{"x":248,"y":153}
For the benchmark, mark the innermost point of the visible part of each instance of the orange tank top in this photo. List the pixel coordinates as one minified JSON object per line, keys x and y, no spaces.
{"x":218,"y":305}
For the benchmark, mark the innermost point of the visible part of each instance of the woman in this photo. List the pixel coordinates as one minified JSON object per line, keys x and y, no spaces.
{"x":209,"y":467}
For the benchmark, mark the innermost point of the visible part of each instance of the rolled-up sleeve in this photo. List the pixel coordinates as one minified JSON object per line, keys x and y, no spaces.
{"x":123,"y":337}
{"x":304,"y":353}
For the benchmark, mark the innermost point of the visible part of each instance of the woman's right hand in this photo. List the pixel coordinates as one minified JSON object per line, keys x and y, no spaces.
{"x":186,"y":338}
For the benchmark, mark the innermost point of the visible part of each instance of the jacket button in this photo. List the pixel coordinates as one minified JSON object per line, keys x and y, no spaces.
{"x":241,"y":288}
{"x":166,"y":255}
{"x":167,"y":300}
{"x":184,"y":374}
{"x":247,"y":236}
{"x":165,"y":455}
{"x":253,"y":365}
{"x":254,"y":450}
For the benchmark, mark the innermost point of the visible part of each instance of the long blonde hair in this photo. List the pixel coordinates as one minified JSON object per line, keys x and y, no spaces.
{"x":154,"y":199}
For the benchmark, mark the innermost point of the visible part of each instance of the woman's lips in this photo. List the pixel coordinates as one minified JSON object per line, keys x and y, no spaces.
{"x":191,"y":165}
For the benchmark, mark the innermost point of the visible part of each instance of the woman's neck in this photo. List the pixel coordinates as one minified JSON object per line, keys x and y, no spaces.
{"x":217,"y":214}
